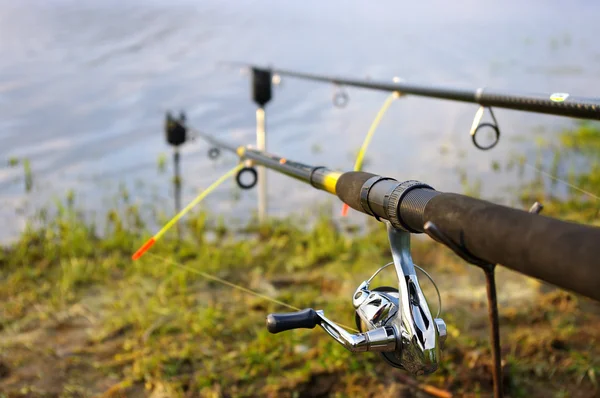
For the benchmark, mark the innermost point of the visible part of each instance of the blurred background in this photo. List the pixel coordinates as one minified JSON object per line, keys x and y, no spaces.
{"x":84,"y":87}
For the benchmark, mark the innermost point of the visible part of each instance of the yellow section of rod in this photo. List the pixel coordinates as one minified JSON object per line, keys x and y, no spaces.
{"x":330,"y":181}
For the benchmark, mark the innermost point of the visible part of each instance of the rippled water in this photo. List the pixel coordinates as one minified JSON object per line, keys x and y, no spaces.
{"x":84,"y":86}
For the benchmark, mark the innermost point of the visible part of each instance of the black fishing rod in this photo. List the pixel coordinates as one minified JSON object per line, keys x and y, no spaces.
{"x":397,"y":321}
{"x":558,"y":252}
{"x":482,"y":233}
{"x":400,"y":325}
{"x":555,"y":251}
{"x":559,"y":103}
{"x":561,"y":253}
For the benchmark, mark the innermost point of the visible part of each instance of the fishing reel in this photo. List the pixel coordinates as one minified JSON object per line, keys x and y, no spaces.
{"x":394,"y":322}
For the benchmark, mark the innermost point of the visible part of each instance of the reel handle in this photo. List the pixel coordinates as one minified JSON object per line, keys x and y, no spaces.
{"x":382,"y":339}
{"x":304,"y":319}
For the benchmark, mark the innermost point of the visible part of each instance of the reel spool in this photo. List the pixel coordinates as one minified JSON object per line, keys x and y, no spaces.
{"x":376,"y":307}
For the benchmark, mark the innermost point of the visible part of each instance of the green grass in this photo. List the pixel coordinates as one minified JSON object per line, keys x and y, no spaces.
{"x":79,"y":318}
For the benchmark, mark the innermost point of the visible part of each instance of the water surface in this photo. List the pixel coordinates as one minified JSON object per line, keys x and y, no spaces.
{"x":84,"y":87}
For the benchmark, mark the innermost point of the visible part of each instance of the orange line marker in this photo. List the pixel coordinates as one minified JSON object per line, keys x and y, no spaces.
{"x":345,"y":210}
{"x":187,"y":208}
{"x":143,"y":249}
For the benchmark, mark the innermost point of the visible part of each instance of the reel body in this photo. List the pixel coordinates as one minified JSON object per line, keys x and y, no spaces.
{"x":395,"y":322}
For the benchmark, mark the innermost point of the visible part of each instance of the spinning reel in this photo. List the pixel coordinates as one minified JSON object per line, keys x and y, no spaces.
{"x":395,"y":322}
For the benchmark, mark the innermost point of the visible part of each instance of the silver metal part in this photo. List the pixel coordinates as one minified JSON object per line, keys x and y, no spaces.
{"x":419,"y":339}
{"x":442,"y":330}
{"x":374,"y":308}
{"x":419,"y":335}
{"x":395,"y":322}
{"x":362,"y":292}
{"x":439,"y":311}
{"x":380,"y":339}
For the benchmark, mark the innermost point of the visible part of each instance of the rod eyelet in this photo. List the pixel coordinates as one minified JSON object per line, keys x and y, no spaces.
{"x":477,"y":125}
{"x":340,"y":98}
{"x":238,"y":177}
{"x":496,"y":136}
{"x":214,"y":153}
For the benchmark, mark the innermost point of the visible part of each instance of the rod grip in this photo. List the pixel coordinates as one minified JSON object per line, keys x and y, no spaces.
{"x":562,"y":253}
{"x":304,"y":319}
{"x":349,"y":185}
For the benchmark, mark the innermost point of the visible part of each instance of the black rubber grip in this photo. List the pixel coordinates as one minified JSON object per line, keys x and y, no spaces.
{"x":562,"y":253}
{"x":348,"y":188}
{"x":413,"y":206}
{"x":305,"y":319}
{"x":558,"y":252}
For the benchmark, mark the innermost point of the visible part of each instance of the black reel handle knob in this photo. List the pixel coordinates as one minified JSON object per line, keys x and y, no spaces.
{"x":305,"y":319}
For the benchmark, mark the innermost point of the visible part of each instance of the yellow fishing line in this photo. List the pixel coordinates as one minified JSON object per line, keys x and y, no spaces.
{"x":235,"y":286}
{"x":193,"y":203}
{"x":363,"y":149}
{"x":564,"y":182}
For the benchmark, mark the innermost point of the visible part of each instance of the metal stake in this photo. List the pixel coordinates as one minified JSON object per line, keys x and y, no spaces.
{"x":261,"y":144}
{"x":490,"y":284}
{"x":177,"y":187}
{"x":261,"y":95}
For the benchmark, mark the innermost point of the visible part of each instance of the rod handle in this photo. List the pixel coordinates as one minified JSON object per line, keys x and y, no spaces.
{"x":304,"y":319}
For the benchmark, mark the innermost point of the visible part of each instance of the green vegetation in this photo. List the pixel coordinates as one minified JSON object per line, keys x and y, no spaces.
{"x":13,"y":162}
{"x":27,"y":173}
{"x":79,"y":318}
{"x":162,"y":162}
{"x":576,"y":162}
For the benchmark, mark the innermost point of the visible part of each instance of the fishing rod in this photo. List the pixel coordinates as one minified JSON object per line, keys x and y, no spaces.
{"x":558,"y":252}
{"x":397,"y":321}
{"x":557,"y":103}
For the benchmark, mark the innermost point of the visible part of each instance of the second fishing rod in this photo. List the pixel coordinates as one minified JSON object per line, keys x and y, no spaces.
{"x":556,"y":103}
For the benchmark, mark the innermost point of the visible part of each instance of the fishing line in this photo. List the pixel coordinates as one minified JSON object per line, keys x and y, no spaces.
{"x":363,"y":149}
{"x":232,"y":285}
{"x":563,"y":181}
{"x":150,"y":242}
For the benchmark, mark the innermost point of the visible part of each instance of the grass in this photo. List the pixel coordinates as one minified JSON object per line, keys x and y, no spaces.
{"x":79,"y":318}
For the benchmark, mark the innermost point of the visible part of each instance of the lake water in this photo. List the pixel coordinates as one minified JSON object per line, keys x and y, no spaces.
{"x":84,"y":86}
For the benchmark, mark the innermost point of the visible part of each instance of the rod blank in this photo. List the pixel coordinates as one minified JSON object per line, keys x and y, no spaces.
{"x":559,"y":103}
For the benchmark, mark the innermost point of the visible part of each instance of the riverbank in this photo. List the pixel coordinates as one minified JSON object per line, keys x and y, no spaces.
{"x":79,"y":318}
